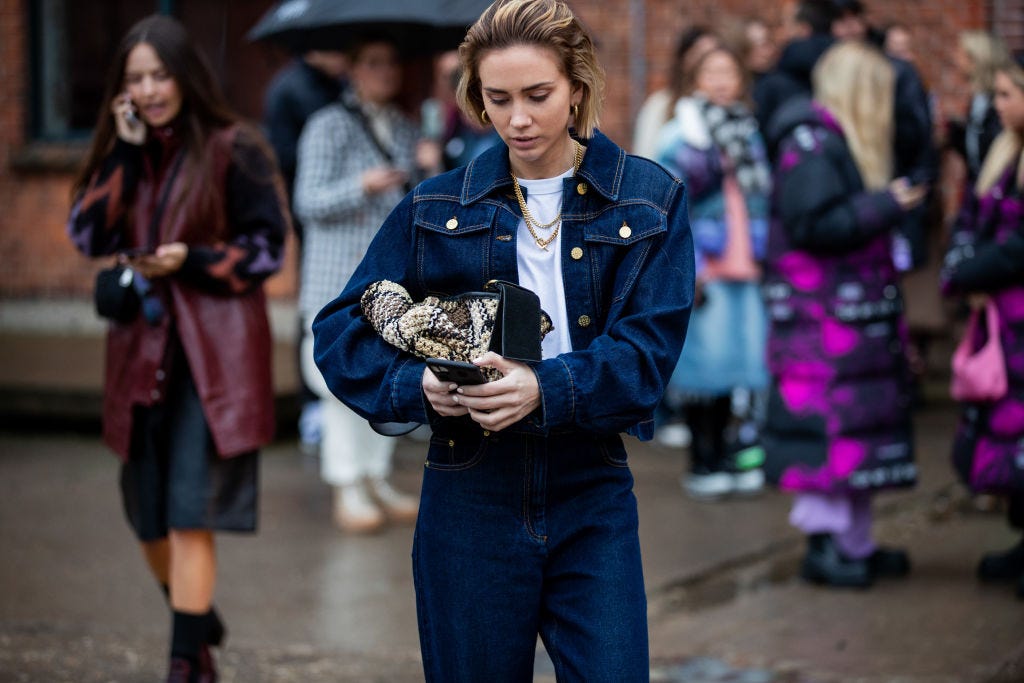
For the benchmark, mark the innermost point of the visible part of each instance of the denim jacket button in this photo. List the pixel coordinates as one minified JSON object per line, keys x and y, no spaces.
{"x":576,"y":253}
{"x":581,"y":188}
{"x":625,"y":231}
{"x":452,"y":223}
{"x":584,"y":321}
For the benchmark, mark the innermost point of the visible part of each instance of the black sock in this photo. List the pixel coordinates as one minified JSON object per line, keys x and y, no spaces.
{"x":188,"y":635}
{"x":215,"y":627}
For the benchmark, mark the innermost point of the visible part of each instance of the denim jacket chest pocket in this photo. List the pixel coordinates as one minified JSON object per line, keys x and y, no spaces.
{"x":453,"y":244}
{"x":617,"y":243}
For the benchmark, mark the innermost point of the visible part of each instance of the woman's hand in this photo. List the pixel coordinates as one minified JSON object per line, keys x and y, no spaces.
{"x":377,"y":180}
{"x":977,"y":301}
{"x":130,"y":127}
{"x":906,"y":195}
{"x":441,"y":395}
{"x":499,"y":404}
{"x":167,"y":259}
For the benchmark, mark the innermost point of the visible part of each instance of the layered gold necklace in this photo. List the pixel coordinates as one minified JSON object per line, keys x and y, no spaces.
{"x":532,"y":224}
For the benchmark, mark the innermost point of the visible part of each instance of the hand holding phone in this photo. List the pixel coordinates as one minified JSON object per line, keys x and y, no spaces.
{"x":130,"y":127}
{"x":459,"y":372}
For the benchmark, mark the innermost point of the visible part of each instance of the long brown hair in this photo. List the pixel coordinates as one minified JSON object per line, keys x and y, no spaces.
{"x":203,"y":110}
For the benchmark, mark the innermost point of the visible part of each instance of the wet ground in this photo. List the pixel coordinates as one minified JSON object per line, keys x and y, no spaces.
{"x":306,"y":603}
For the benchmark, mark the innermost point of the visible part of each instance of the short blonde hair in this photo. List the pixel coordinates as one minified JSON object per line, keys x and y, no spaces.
{"x":542,"y":23}
{"x":855,"y":81}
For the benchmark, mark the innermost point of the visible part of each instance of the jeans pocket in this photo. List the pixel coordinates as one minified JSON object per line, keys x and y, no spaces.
{"x":613,"y":453}
{"x":454,"y":453}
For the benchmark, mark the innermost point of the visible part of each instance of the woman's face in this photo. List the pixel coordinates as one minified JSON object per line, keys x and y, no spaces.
{"x":719,"y":79}
{"x":528,"y":99}
{"x":151,"y":87}
{"x":377,"y":73}
{"x":1009,"y":102}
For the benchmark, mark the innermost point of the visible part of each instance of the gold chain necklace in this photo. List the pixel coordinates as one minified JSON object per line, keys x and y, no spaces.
{"x":532,"y":222}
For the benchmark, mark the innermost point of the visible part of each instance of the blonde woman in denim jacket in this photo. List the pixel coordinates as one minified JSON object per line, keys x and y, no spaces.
{"x":528,"y":522}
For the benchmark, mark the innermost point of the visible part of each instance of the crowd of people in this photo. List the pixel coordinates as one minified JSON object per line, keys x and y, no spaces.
{"x":813,"y":178}
{"x":760,"y":326}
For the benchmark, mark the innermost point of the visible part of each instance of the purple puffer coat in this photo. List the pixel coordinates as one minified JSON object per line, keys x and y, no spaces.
{"x":839,"y":408}
{"x":987,"y":256}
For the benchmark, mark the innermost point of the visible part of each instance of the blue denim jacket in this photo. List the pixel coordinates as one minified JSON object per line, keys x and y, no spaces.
{"x":628,"y":271}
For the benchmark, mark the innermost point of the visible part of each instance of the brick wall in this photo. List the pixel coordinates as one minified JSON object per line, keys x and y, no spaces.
{"x":37,"y":261}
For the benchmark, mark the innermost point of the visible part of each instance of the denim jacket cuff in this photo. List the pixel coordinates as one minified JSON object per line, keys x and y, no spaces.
{"x":407,"y":392}
{"x":556,"y":393}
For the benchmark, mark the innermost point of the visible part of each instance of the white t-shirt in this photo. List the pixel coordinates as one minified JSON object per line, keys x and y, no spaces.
{"x":540,"y":270}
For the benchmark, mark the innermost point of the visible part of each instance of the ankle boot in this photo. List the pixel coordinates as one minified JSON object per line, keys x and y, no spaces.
{"x":825,"y":564}
{"x":184,"y":670}
{"x":1002,"y":566}
{"x":889,"y":562}
{"x":355,"y":511}
{"x":399,"y":507}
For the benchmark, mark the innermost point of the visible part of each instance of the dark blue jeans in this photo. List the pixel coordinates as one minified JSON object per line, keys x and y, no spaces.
{"x":520,"y":535}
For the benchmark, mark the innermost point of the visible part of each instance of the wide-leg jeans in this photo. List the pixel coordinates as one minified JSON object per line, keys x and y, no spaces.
{"x":520,"y":535}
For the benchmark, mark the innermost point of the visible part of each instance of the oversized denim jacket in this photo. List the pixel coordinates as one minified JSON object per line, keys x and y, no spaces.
{"x":628,"y":272}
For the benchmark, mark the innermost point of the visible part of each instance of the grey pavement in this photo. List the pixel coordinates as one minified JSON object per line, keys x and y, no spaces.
{"x":306,"y":603}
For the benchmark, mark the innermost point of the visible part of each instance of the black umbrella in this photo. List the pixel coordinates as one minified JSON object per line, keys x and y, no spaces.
{"x":417,"y":26}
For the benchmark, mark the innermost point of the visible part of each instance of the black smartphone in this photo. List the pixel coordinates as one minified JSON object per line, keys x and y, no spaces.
{"x":456,"y":371}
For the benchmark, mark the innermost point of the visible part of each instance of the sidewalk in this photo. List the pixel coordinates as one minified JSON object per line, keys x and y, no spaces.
{"x":305,"y":603}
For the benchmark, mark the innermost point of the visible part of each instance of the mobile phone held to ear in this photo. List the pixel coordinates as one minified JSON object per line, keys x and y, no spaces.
{"x":457,"y":371}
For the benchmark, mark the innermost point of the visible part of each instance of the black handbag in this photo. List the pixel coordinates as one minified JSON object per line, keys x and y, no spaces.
{"x":116,"y":294}
{"x":505,"y":318}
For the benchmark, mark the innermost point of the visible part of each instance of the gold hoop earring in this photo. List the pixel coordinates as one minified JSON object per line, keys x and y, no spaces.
{"x":575,"y":111}
{"x":483,"y":117}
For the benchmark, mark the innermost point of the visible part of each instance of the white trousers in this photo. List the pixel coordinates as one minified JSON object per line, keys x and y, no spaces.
{"x":349,"y":448}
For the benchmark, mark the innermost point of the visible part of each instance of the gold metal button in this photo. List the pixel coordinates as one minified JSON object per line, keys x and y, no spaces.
{"x":625,"y":231}
{"x":451,"y":443}
{"x":584,"y":321}
{"x":486,"y":433}
{"x":452,"y":223}
{"x":576,"y":253}
{"x":581,"y":188}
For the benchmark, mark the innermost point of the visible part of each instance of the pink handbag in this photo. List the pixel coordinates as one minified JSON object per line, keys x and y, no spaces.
{"x":979,"y":375}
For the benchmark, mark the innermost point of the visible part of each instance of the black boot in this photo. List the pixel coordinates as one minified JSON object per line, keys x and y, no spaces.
{"x":1002,"y":566}
{"x":707,"y":479}
{"x":824,"y":564}
{"x":889,"y":562}
{"x":188,"y":641}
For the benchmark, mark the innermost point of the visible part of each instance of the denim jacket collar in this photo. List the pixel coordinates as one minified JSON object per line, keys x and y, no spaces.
{"x":602,"y":168}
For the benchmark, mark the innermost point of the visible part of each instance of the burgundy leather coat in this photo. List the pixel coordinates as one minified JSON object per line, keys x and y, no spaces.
{"x":215,"y":303}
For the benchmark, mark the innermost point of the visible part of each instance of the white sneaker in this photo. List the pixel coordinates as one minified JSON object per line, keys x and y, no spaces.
{"x":399,"y":507}
{"x":675,"y":435}
{"x":354,"y":510}
{"x":748,"y":482}
{"x":710,"y":486}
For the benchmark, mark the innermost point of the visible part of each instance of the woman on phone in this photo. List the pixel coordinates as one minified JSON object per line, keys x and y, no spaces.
{"x":192,"y":201}
{"x":527,"y":522}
